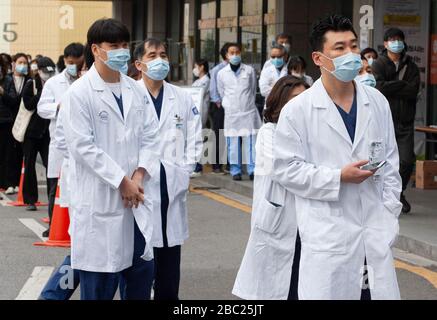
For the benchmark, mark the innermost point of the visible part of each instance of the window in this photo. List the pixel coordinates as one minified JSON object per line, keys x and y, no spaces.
{"x":252,"y":7}
{"x":228,"y":27}
{"x":208,"y":11}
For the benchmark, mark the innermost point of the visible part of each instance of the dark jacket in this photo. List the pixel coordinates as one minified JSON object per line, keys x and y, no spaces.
{"x":11,"y":100}
{"x":401,"y":94}
{"x":38,"y":127}
{"x":7,"y":100}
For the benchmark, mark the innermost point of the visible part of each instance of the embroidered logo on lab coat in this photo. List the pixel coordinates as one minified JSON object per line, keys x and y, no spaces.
{"x":103,"y":115}
{"x":195,"y":111}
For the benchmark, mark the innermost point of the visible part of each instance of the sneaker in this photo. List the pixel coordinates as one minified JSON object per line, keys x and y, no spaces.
{"x":406,"y":207}
{"x":237,"y":177}
{"x":31,"y":207}
{"x":10,"y":190}
{"x":16,"y":189}
{"x":217,"y":171}
{"x":196,"y":174}
{"x":46,"y":233}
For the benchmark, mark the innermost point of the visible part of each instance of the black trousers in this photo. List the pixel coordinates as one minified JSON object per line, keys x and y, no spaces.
{"x":167,"y":259}
{"x":218,"y":122}
{"x":292,"y":294}
{"x":11,"y":157}
{"x":52,"y":183}
{"x":405,"y":140}
{"x":167,"y":273}
{"x":31,"y":148}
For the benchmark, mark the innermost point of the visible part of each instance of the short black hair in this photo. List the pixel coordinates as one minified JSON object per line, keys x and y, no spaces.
{"x":140,"y":49}
{"x":282,"y":36}
{"x":296,"y":62}
{"x":89,"y":57}
{"x":336,"y":23}
{"x":107,"y":30}
{"x":20,"y":55}
{"x":204,"y":63}
{"x":61,"y":63}
{"x":394,"y":32}
{"x":224,"y":50}
{"x":74,"y":50}
{"x":369,"y":50}
{"x":233,"y":44}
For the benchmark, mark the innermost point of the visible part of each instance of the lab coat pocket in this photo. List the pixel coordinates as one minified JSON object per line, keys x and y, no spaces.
{"x":391,"y":227}
{"x":269,"y":216}
{"x":325,"y":230}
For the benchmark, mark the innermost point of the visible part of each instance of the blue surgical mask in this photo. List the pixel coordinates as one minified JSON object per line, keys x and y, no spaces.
{"x":117,"y":59}
{"x":235,"y":60}
{"x":370,"y":61}
{"x":157,"y":69}
{"x":277,"y":62}
{"x":21,"y":68}
{"x":347,"y":67}
{"x":71,"y":69}
{"x":396,"y":46}
{"x":367,"y":79}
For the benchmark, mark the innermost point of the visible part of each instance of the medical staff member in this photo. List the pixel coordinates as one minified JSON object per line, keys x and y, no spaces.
{"x":236,"y":85}
{"x":347,"y":216}
{"x":180,"y":147}
{"x":201,"y":72}
{"x":270,"y":265}
{"x":48,"y":108}
{"x":272,"y":72}
{"x":217,"y":112}
{"x":365,"y":75}
{"x":297,"y":67}
{"x":111,"y":137}
{"x":284,"y":40}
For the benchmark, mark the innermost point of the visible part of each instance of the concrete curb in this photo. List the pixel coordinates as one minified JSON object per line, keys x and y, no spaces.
{"x":244,"y":188}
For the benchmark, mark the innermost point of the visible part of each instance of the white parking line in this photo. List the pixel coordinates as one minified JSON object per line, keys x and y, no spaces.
{"x":36,"y":227}
{"x":34,"y":285}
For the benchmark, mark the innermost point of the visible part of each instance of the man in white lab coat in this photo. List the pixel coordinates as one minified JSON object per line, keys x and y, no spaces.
{"x":272,"y":72}
{"x":347,"y":215}
{"x":48,"y":108}
{"x":111,"y":137}
{"x":180,"y":147}
{"x":236,"y":84}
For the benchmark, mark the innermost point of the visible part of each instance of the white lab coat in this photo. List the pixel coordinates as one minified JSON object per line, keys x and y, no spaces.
{"x":340,"y":224}
{"x":61,"y":146}
{"x":265,"y":271}
{"x":180,"y":149}
{"x":268,"y":78}
{"x":52,"y":94}
{"x":203,"y":83}
{"x":105,"y":147}
{"x":238,"y":94}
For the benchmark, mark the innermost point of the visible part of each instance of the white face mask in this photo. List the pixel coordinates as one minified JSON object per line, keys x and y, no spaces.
{"x":44,"y":76}
{"x":196,"y":72}
{"x":33,"y":67}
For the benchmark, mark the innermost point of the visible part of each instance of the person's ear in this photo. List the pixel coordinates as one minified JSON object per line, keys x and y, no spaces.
{"x":139,"y":65}
{"x":317,"y":59}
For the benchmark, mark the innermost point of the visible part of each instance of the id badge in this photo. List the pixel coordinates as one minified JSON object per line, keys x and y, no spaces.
{"x":178,"y":122}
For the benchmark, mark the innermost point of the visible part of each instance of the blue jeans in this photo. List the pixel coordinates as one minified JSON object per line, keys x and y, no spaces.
{"x":236,"y":147}
{"x":135,"y":282}
{"x":59,"y":287}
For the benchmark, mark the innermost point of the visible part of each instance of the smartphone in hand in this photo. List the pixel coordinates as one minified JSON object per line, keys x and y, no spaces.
{"x":373,"y":166}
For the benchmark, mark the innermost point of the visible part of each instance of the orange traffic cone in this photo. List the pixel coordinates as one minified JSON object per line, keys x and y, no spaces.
{"x":58,"y":236}
{"x":20,"y":200}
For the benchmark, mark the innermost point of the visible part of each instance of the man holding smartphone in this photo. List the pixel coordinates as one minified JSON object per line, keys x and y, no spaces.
{"x":347,"y":216}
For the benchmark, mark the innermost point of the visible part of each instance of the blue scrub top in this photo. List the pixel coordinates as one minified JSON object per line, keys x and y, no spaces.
{"x":350,"y":119}
{"x":157,"y":102}
{"x":119,"y":103}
